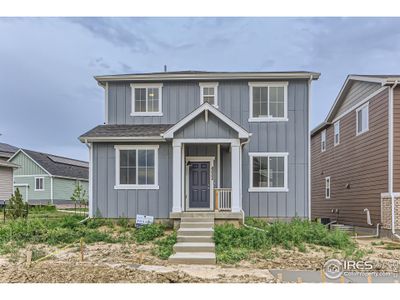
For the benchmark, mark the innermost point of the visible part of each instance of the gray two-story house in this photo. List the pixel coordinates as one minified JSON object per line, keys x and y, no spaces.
{"x":232,"y":143}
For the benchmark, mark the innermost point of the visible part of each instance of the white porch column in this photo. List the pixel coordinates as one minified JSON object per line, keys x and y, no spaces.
{"x":235,"y":168}
{"x":177,"y":177}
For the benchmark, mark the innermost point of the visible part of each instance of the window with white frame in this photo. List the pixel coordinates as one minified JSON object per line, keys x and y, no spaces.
{"x":39,"y":184}
{"x":268,"y":101}
{"x":327,"y":187}
{"x":209,"y":93}
{"x":268,"y":172}
{"x":146,"y":99}
{"x":336,"y":135}
{"x":362,"y":119}
{"x":323,"y":140}
{"x":136,"y":167}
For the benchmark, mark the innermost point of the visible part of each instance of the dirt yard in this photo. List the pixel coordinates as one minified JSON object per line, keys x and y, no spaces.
{"x":134,"y":263}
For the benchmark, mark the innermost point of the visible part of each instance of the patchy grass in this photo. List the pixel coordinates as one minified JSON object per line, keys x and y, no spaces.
{"x":235,"y":244}
{"x":149,"y":232}
{"x":164,"y":246}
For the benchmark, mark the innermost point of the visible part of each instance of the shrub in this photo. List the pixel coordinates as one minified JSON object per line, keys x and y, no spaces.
{"x":149,"y":232}
{"x":16,"y":207}
{"x":164,"y":246}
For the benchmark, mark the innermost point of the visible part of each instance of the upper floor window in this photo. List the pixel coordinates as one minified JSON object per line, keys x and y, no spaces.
{"x":362,"y":119}
{"x":336,"y":136}
{"x":323,"y":140}
{"x":209,"y":93}
{"x":39,"y":184}
{"x":136,"y":167}
{"x":327,"y":187}
{"x":146,"y":99}
{"x":268,"y":172}
{"x":268,"y":101}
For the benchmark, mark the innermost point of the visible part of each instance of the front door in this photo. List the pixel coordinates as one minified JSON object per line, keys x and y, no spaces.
{"x":199,"y":185}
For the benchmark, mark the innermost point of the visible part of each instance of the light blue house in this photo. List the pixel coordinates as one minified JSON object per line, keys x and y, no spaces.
{"x":230,"y":143}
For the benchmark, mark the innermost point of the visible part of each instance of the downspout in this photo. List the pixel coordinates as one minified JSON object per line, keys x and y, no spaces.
{"x":241,"y":176}
{"x":390,"y":158}
{"x":309,"y":147}
{"x":90,"y":146}
{"x":51,"y":190}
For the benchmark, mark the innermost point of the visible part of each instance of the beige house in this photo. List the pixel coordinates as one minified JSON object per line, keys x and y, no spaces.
{"x":6,"y":171}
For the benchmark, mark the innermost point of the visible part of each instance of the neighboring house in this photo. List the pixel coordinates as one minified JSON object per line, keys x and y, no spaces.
{"x":236,"y":143}
{"x":6,"y":171}
{"x":356,"y":154}
{"x":45,"y":178}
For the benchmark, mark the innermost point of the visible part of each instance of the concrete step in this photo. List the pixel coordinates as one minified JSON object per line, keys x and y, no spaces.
{"x":197,"y":215}
{"x":197,"y":225}
{"x":194,"y":247}
{"x":194,"y":239}
{"x":200,"y":258}
{"x":195,"y":232}
{"x":197,"y":219}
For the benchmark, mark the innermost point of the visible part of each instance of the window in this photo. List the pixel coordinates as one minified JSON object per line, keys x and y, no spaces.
{"x":136,"y":167}
{"x":146,"y":99}
{"x":327,"y":187}
{"x":268,"y":101}
{"x":323,"y":140}
{"x":39,"y":184}
{"x":268,"y":172}
{"x":336,"y":136}
{"x":209,"y":93}
{"x":362,"y":119}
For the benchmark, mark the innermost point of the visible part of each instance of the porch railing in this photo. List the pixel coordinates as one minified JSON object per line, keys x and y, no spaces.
{"x":223,"y":199}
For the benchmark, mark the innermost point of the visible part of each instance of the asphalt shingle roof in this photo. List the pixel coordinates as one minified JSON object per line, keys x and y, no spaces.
{"x":7,"y":150}
{"x":57,"y":168}
{"x":144,"y":130}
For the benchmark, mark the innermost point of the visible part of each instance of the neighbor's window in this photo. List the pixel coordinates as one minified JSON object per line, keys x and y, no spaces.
{"x":323,"y":140}
{"x":136,"y":166}
{"x":209,"y":93}
{"x":362,"y":119}
{"x":146,"y":99}
{"x":327,"y":187}
{"x":268,"y":171}
{"x":39,"y":183}
{"x":268,"y":101}
{"x":336,"y":135}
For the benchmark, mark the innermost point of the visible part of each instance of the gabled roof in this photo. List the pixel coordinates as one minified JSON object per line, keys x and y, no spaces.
{"x":7,"y":150}
{"x":383,"y":80}
{"x":205,"y":75}
{"x":242,"y":133}
{"x":57,"y":166}
{"x":121,"y":132}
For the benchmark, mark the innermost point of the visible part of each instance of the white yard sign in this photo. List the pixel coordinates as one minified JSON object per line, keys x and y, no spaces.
{"x":144,"y":220}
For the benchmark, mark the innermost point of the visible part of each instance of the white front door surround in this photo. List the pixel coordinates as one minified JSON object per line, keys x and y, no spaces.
{"x":178,"y":167}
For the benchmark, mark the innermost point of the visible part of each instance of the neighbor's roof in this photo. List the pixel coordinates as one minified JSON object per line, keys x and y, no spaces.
{"x":383,"y":80}
{"x":205,"y":75}
{"x":107,"y":132}
{"x":7,"y":164}
{"x":7,"y":150}
{"x":59,"y":166}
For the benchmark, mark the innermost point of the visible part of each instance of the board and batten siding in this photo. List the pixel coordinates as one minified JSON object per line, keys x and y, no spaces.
{"x":27,"y":166}
{"x":33,"y":195}
{"x":357,"y":167}
{"x":181,"y":98}
{"x":64,"y":188}
{"x":6,"y":183}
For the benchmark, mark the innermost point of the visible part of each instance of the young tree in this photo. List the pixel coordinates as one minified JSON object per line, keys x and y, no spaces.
{"x":79,"y":195}
{"x":16,"y":207}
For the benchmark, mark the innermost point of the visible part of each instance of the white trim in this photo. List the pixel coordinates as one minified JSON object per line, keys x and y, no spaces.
{"x":106,"y":104}
{"x":242,"y":133}
{"x":146,"y":86}
{"x":269,"y":189}
{"x":218,"y":165}
{"x":123,"y":139}
{"x":90,"y":180}
{"x":336,"y":124}
{"x":53,"y":176}
{"x":283,"y":84}
{"x":178,"y":142}
{"x":366,"y":99}
{"x":366,"y":105}
{"x":51,"y":190}
{"x":42,"y":189}
{"x":36,"y":175}
{"x":210,"y":160}
{"x":209,"y":85}
{"x":309,"y":148}
{"x":26,"y":186}
{"x":136,"y":186}
{"x":176,"y":178}
{"x":235,"y":178}
{"x":20,"y":150}
{"x":328,"y":180}
{"x":323,"y":139}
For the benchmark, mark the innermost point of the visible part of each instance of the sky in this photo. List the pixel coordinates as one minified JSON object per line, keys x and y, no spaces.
{"x":48,"y":95}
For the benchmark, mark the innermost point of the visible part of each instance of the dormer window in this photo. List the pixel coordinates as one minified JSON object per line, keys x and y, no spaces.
{"x":209,"y":93}
{"x":146,"y":99}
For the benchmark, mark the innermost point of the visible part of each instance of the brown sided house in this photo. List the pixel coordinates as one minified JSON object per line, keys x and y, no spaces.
{"x":355,"y":155}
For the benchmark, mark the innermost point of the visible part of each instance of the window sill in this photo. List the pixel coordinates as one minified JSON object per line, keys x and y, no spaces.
{"x":268,"y":190}
{"x":39,"y":190}
{"x":268,"y":119}
{"x":136,"y":187}
{"x":362,"y":132}
{"x":146,"y":114}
